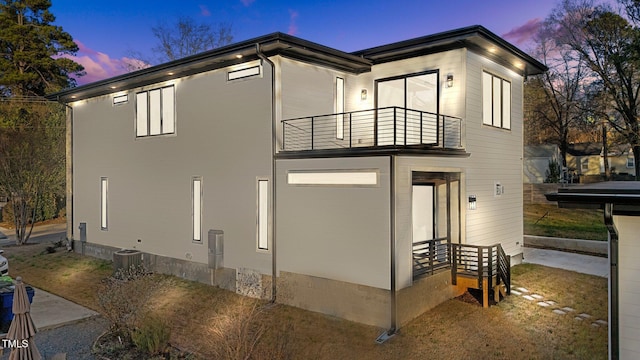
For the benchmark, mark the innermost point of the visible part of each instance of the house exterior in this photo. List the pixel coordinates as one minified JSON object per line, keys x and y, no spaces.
{"x":621,"y":203}
{"x":537,"y":159}
{"x":337,"y":182}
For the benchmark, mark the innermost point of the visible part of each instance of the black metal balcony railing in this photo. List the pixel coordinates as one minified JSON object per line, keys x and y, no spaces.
{"x":473,"y":261}
{"x":390,"y":126}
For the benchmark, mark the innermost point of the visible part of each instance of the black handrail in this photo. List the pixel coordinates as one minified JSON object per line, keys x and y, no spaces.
{"x":372,"y":128}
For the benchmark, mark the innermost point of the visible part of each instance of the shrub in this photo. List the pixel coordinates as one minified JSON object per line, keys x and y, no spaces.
{"x":152,"y":336}
{"x":553,"y":172}
{"x":123,"y":297}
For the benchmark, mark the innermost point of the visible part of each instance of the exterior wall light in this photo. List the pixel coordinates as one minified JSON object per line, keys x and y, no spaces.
{"x":363,"y":94}
{"x":449,"y":80}
{"x":472,"y":202}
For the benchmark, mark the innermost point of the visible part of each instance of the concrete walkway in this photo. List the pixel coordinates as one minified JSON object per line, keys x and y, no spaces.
{"x":49,"y":311}
{"x":586,"y":264}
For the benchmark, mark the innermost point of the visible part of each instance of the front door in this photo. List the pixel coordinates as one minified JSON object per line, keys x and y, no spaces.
{"x":423,"y":218}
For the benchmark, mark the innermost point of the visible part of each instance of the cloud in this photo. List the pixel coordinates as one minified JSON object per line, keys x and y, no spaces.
{"x":204,"y":11}
{"x":524,"y":33}
{"x":247,"y":2}
{"x":99,"y":66}
{"x":293,"y":27}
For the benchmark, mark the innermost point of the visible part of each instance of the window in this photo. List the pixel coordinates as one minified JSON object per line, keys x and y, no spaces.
{"x":243,"y":73}
{"x":584,"y":164}
{"x":104,"y":189}
{"x":196,"y":207}
{"x":263,"y":214}
{"x":631,"y":162}
{"x":365,"y":178}
{"x":121,"y":99}
{"x":155,"y":112}
{"x":496,"y":101}
{"x":339,"y":108}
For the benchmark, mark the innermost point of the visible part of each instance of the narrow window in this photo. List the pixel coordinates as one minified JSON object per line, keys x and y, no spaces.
{"x":585,"y":164}
{"x":339,"y":108}
{"x":497,"y":102}
{"x":141,"y":114}
{"x":631,"y":162}
{"x":196,"y":211}
{"x":487,"y":100}
{"x":155,"y":107}
{"x":168,"y":110}
{"x":104,"y":185}
{"x":506,"y":104}
{"x":263,"y":214}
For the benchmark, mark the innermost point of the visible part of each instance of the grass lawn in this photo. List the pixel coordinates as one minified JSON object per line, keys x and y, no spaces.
{"x":549,"y":220}
{"x":516,"y":328}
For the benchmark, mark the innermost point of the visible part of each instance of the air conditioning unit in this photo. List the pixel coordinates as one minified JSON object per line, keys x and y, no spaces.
{"x":124,"y":259}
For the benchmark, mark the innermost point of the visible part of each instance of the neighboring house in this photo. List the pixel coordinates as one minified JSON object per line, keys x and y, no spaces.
{"x":584,"y":158}
{"x":621,"y":160}
{"x":537,"y":159}
{"x":621,"y":204}
{"x":361,"y":185}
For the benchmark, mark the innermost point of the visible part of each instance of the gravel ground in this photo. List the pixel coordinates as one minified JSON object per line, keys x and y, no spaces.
{"x":74,"y":339}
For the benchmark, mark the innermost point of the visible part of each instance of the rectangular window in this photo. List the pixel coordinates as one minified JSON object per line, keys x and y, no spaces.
{"x":263,"y":214}
{"x":104,"y":191}
{"x":155,"y":112}
{"x":243,"y":73}
{"x":496,"y":101}
{"x":196,"y":208}
{"x":122,"y":99}
{"x":366,"y":178}
{"x":584,"y":164}
{"x":339,"y":108}
{"x":631,"y":162}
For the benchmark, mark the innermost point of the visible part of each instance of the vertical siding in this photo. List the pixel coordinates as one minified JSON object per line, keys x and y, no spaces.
{"x":629,"y":286}
{"x":218,"y":137}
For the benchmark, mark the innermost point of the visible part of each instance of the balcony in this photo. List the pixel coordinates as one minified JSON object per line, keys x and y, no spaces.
{"x":375,"y":129}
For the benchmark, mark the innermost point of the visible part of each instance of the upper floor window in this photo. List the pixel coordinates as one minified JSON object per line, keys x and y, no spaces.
{"x":155,"y":112}
{"x":496,"y":101}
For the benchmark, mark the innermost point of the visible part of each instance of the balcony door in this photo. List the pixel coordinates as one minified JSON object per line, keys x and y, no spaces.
{"x":418,"y":94}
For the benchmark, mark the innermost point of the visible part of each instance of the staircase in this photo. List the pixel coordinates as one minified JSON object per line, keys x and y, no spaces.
{"x":485,"y":268}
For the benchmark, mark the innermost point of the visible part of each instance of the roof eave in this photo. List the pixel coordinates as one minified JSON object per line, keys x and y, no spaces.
{"x":272,"y":44}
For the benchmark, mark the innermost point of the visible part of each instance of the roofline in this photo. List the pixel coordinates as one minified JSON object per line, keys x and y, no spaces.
{"x":293,"y":47}
{"x":390,"y":51}
{"x":272,"y":44}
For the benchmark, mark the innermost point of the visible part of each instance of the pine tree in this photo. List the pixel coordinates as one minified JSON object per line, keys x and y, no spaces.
{"x":31,"y":49}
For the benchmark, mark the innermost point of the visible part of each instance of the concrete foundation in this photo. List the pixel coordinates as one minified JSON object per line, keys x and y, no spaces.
{"x":425,"y":294}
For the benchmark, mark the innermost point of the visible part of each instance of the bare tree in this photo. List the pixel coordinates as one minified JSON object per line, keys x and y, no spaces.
{"x":553,"y":105}
{"x":609,"y":46}
{"x":187,"y":37}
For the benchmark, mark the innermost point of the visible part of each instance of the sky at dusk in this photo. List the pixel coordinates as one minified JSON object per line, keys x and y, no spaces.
{"x":109,"y":32}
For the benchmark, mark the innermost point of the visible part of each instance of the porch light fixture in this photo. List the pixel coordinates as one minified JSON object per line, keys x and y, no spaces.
{"x":363,"y":94}
{"x":472,"y":202}
{"x":449,"y":80}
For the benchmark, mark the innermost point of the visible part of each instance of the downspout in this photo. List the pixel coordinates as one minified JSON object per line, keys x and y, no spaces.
{"x":614,"y":333}
{"x":392,"y":250}
{"x":273,"y":170}
{"x":68,"y":170}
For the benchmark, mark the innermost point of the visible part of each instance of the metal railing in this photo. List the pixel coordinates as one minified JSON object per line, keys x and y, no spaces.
{"x":430,"y":256}
{"x":390,"y":126}
{"x":482,"y":262}
{"x":473,"y":261}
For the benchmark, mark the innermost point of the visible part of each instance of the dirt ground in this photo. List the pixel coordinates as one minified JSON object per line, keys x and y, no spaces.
{"x":516,"y":328}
